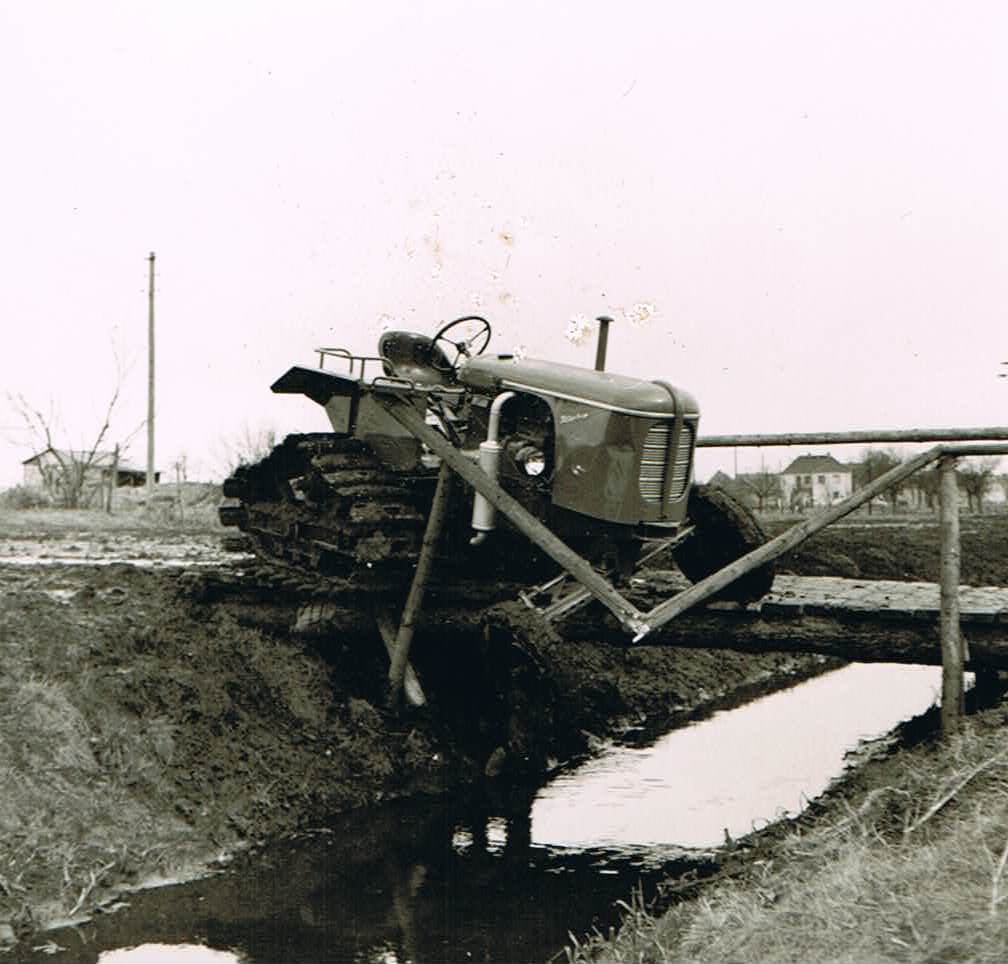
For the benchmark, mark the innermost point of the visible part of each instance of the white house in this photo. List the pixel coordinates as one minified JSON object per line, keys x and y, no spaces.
{"x":815,"y":480}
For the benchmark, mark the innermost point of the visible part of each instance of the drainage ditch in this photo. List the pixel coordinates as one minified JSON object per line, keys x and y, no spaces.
{"x":507,"y":876}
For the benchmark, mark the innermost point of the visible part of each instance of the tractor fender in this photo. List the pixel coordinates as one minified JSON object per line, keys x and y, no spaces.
{"x":316,"y":383}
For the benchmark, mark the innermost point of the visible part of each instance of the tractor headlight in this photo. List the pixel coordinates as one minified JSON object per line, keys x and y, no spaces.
{"x":535,"y":465}
{"x":532,"y":461}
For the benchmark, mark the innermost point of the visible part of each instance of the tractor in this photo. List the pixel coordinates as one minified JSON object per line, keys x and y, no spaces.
{"x":571,"y":474}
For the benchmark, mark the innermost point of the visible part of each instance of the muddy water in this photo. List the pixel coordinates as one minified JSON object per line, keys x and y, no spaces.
{"x":507,"y":878}
{"x":117,"y":547}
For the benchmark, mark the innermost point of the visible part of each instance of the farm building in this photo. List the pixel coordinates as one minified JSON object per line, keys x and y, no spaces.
{"x":55,"y":470}
{"x":816,"y":480}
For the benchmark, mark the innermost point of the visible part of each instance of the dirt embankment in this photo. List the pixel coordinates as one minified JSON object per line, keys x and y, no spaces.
{"x":147,"y":728}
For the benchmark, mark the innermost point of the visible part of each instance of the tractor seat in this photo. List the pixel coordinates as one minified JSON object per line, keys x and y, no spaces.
{"x":406,"y":354}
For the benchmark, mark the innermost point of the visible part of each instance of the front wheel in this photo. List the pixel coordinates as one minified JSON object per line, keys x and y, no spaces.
{"x":724,"y":530}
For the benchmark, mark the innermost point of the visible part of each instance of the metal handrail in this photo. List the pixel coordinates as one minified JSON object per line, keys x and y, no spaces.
{"x":334,"y":352}
{"x":344,"y":353}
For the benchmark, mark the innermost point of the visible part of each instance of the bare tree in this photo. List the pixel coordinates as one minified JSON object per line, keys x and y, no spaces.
{"x":69,"y":474}
{"x":763,"y":484}
{"x":927,"y":482}
{"x":976,"y":476}
{"x":875,"y":463}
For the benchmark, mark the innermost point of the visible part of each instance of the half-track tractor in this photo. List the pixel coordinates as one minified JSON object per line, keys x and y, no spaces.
{"x":570,"y":472}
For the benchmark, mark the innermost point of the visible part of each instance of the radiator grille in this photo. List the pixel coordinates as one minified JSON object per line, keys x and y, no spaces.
{"x":681,"y":462}
{"x":652,"y":464}
{"x":654,"y":461}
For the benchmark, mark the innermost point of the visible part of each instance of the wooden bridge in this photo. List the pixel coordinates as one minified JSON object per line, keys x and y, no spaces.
{"x":856,"y":619}
{"x":945,"y":623}
{"x":806,"y":613}
{"x":956,"y":648}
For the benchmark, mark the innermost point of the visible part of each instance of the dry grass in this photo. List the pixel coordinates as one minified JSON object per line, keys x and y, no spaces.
{"x":913,"y":870}
{"x":133,"y":511}
{"x":86,"y":788}
{"x":66,"y":808}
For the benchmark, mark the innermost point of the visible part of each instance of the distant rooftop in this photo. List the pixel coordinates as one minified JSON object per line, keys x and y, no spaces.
{"x":101,"y":458}
{"x":813,"y":464}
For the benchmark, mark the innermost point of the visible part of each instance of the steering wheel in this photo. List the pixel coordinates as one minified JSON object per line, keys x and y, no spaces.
{"x":462,"y":348}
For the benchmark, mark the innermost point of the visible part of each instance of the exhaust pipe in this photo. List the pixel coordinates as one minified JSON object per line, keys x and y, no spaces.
{"x":604,"y":321}
{"x":484,"y":516}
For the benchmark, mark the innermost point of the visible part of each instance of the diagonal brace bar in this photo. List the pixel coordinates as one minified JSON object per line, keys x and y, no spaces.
{"x":786,"y":541}
{"x":668,"y":610}
{"x":523,"y":520}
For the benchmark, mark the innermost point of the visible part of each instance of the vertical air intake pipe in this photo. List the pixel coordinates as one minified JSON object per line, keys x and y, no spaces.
{"x":484,"y":517}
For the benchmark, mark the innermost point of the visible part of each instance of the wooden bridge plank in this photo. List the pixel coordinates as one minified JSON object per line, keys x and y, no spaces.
{"x":854,"y":619}
{"x":914,"y":599}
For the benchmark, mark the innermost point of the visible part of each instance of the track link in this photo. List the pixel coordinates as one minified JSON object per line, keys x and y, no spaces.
{"x":326,"y":503}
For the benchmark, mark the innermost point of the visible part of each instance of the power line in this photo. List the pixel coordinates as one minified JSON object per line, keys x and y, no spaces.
{"x":150,"y":377}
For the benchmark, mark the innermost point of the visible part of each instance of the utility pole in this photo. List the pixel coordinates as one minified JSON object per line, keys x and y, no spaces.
{"x":150,"y":378}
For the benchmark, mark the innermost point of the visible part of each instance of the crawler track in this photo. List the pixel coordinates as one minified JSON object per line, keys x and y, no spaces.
{"x":329,"y":498}
{"x":328,"y":520}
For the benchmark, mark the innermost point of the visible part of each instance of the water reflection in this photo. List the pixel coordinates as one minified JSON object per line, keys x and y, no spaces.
{"x":738,"y":769}
{"x":431,"y":880}
{"x":168,"y":954}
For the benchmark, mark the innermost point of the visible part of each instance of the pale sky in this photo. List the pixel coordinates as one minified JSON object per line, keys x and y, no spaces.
{"x":811,"y":197}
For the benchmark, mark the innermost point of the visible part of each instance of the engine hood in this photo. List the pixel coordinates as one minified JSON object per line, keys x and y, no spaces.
{"x":621,"y":393}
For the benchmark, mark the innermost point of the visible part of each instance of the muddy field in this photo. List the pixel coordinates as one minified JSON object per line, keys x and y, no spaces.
{"x":152,"y":727}
{"x":154,"y":723}
{"x":901,"y":547}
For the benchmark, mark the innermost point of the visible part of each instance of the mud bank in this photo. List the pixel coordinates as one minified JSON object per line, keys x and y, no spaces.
{"x":149,"y":731}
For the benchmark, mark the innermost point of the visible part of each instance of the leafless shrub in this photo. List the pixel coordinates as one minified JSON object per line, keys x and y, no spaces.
{"x":247,"y":446}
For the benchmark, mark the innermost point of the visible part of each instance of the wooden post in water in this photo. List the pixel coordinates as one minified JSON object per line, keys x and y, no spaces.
{"x":388,"y":631}
{"x":404,"y":638}
{"x":952,"y":703}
